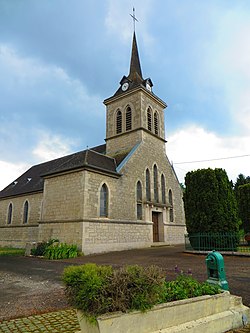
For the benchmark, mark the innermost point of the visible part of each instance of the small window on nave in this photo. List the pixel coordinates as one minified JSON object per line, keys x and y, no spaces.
{"x":25,"y":212}
{"x":118,"y":122}
{"x":148,"y":188}
{"x":163,"y":190}
{"x":156,"y":196}
{"x":139,"y":200}
{"x":128,"y":119}
{"x":104,"y":196}
{"x":10,"y":212}
{"x":171,"y":209}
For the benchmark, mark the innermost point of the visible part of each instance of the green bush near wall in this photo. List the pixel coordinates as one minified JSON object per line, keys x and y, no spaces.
{"x":54,"y":250}
{"x":61,"y":251}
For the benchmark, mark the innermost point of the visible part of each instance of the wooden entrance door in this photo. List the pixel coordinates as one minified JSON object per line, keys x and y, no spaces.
{"x":155,"y":227}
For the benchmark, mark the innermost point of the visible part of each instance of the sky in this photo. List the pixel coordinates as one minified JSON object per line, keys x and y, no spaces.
{"x":60,"y":59}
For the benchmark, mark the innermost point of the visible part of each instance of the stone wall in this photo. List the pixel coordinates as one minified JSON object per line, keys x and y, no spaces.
{"x":139,"y":101}
{"x":18,"y":234}
{"x":64,"y":197}
{"x":35,"y":206}
{"x":69,"y":232}
{"x":174,"y":234}
{"x":104,"y":236}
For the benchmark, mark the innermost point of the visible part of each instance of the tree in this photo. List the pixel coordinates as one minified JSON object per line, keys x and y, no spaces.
{"x":244,"y":206}
{"x":209,"y":202}
{"x":241,"y":180}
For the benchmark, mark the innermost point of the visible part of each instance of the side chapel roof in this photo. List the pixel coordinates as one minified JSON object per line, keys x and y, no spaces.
{"x":33,"y":179}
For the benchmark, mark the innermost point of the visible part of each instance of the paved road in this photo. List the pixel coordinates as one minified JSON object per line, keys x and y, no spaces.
{"x":31,"y":285}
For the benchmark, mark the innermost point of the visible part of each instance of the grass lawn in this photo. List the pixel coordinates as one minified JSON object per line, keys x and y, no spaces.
{"x":10,"y":251}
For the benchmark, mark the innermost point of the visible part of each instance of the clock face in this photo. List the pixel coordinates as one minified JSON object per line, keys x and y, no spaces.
{"x":125,"y":86}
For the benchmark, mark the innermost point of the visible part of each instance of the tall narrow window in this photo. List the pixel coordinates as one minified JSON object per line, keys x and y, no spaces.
{"x":156,"y":197}
{"x":139,"y":200}
{"x":128,"y":119}
{"x":156,"y":123}
{"x":10,"y":211}
{"x":118,"y":122}
{"x":163,"y":191}
{"x":148,"y":189}
{"x":104,"y":201}
{"x":171,"y":209}
{"x":149,"y":119}
{"x":25,"y":212}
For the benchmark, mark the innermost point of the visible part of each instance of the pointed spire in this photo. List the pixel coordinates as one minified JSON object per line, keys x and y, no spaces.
{"x":135,"y":73}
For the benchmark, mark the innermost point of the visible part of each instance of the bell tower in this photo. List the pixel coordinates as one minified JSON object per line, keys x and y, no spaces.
{"x":134,"y":111}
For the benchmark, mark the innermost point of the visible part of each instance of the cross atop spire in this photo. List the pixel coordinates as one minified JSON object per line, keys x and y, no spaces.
{"x":133,"y":17}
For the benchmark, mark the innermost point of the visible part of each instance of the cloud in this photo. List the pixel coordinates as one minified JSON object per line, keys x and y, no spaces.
{"x":51,"y":147}
{"x":226,"y":66}
{"x":119,"y":22}
{"x":195,"y":144}
{"x":10,"y":171}
{"x":38,"y":97}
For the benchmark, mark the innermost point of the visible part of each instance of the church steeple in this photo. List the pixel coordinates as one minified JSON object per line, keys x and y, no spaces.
{"x":135,"y":73}
{"x":134,"y":79}
{"x":134,"y":112}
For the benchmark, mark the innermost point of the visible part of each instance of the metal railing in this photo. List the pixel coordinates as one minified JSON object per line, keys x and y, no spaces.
{"x":216,"y":241}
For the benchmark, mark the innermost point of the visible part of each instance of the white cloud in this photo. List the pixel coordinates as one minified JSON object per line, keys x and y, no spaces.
{"x":196,"y":144}
{"x":119,"y":21}
{"x":51,"y":147}
{"x":226,"y":65}
{"x":10,"y":171}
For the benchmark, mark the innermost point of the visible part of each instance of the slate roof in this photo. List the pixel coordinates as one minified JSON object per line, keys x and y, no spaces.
{"x":33,"y":179}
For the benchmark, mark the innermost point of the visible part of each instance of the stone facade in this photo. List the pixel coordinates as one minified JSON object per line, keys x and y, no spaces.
{"x":139,"y":102}
{"x":17,"y":233}
{"x":126,"y":197}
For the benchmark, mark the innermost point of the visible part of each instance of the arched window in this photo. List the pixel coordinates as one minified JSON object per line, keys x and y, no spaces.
{"x":10,"y":211}
{"x":149,"y":119}
{"x":104,"y":201}
{"x":139,"y":200}
{"x":156,"y":123}
{"x":163,"y":191}
{"x":148,"y":189}
{"x":171,"y":210}
{"x":25,"y":212}
{"x":128,"y":119}
{"x":156,"y":197}
{"x":118,"y":122}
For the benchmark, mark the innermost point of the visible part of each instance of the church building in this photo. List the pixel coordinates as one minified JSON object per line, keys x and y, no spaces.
{"x":120,"y":195}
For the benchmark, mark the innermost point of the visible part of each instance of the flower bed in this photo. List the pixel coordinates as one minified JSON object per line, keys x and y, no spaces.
{"x":133,"y":299}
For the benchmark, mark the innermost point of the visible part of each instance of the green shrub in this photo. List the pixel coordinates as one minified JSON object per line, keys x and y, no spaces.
{"x":87,"y":288}
{"x":96,"y":290}
{"x":136,"y":288}
{"x":41,"y":247}
{"x":187,"y":287}
{"x":60,"y":251}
